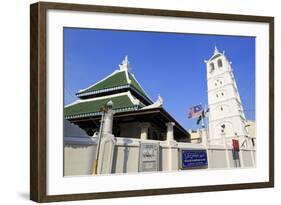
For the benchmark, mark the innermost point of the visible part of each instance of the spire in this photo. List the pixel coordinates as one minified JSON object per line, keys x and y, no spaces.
{"x":125,"y":64}
{"x":216,"y":51}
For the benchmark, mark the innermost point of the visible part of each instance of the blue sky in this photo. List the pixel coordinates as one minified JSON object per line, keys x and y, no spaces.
{"x":168,"y":64}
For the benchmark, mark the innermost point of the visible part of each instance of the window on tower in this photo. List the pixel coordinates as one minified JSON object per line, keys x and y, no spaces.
{"x":212,"y":67}
{"x":219,"y":63}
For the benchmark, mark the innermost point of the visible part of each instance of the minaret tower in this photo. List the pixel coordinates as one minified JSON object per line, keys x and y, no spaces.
{"x":226,"y":118}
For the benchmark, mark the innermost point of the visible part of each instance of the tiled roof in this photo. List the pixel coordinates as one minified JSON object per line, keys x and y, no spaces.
{"x":92,"y":107}
{"x":115,"y":81}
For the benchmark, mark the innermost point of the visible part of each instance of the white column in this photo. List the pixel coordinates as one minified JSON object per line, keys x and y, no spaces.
{"x":107,"y":143}
{"x":171,"y":143}
{"x":170,"y":131}
{"x":144,"y":131}
{"x":108,"y":119}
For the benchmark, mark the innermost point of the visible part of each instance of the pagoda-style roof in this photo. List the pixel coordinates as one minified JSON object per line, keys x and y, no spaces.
{"x":122,"y":102}
{"x":130,"y":103}
{"x":119,"y":81}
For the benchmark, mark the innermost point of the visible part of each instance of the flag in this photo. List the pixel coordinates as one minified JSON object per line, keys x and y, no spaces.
{"x":200,"y":118}
{"x":235,"y":145}
{"x":195,"y":111}
{"x":204,"y":114}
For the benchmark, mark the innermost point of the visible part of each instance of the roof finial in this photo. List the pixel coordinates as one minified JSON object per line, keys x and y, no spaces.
{"x":160,"y":100}
{"x":125,"y":64}
{"x":216,"y":51}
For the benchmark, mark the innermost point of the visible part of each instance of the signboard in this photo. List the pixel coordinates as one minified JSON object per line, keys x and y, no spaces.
{"x":235,"y":145}
{"x":149,"y":157}
{"x":193,"y":158}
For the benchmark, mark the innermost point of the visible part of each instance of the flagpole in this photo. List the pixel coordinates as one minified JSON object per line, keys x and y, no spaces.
{"x":207,"y":125}
{"x":202,"y":123}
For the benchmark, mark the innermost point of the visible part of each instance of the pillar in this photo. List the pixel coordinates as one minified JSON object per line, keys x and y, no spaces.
{"x":170,"y":131}
{"x":108,"y":119}
{"x":170,"y":149}
{"x":144,"y":131}
{"x":107,"y":144}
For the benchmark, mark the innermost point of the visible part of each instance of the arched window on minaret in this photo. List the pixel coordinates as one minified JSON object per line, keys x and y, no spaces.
{"x":219,"y":63}
{"x":212,"y":67}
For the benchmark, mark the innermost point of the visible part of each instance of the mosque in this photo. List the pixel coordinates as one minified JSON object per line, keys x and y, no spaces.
{"x":115,"y":127}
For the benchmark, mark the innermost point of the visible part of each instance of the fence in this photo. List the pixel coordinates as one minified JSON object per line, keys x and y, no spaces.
{"x":131,"y":155}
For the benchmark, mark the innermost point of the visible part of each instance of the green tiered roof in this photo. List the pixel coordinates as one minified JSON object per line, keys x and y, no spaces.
{"x":85,"y":108}
{"x":121,"y":87}
{"x":114,"y":81}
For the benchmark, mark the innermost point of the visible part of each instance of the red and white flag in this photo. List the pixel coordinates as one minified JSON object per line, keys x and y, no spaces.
{"x":195,"y":111}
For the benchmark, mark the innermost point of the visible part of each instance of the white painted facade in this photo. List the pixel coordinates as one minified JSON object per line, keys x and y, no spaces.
{"x":226,"y":116}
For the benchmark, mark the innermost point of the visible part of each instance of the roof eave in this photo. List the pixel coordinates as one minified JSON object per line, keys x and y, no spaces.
{"x":138,"y":112}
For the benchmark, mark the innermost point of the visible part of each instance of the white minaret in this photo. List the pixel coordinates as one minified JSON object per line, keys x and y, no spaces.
{"x":226,"y":118}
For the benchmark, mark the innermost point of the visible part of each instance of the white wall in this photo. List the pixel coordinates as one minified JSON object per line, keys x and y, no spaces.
{"x":78,"y":159}
{"x":14,"y":106}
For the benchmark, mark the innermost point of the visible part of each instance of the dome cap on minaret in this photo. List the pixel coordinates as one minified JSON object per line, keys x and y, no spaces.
{"x":216,"y":54}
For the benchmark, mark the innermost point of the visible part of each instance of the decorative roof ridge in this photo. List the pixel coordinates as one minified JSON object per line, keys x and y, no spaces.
{"x":134,"y":100}
{"x":140,"y":86}
{"x":127,"y":77}
{"x":125,"y":66}
{"x":144,"y":96}
{"x":158,"y":103}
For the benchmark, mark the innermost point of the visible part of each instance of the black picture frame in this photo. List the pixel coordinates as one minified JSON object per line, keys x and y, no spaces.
{"x":38,"y":100}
